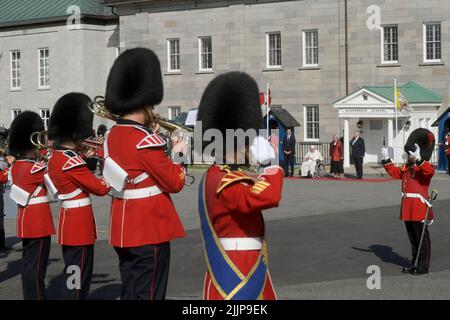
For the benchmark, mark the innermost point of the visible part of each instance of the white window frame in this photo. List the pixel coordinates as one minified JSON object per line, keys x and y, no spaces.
{"x":304,"y":62}
{"x":170,"y":112}
{"x":425,"y":59}
{"x":45,"y":117}
{"x":200,"y":53}
{"x":17,"y":77}
{"x":305,"y":122}
{"x":383,"y":61}
{"x":46,"y":85}
{"x":170,"y":55}
{"x":15,"y":112}
{"x":268,"y":65}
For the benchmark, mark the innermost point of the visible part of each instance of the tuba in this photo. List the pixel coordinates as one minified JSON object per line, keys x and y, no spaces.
{"x":97,"y":107}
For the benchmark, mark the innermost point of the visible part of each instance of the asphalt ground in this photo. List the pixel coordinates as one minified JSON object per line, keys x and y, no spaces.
{"x":322,"y":238}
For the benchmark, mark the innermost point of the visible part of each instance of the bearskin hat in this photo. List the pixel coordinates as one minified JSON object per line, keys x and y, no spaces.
{"x":71,"y":119}
{"x":231,"y":101}
{"x":20,"y":132}
{"x":134,"y":82}
{"x":424,"y":139}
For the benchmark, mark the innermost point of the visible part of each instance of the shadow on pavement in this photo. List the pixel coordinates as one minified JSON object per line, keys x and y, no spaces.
{"x":108,"y":292}
{"x":385,"y":254}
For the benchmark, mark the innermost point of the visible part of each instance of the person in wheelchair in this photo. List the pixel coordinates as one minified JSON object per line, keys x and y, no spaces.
{"x":311,"y":162}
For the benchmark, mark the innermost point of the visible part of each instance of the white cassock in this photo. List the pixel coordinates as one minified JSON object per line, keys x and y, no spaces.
{"x":310,"y":162}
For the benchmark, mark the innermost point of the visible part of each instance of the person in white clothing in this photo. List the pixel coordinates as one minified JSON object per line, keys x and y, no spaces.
{"x":310,"y":161}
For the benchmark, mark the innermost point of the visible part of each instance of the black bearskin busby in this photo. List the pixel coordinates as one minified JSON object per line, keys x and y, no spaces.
{"x":134,"y":82}
{"x":424,"y":139}
{"x":231,"y":101}
{"x":19,"y":143}
{"x":71,"y":120}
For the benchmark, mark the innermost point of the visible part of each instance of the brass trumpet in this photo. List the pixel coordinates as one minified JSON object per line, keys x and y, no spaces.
{"x":36,"y":139}
{"x":97,"y":107}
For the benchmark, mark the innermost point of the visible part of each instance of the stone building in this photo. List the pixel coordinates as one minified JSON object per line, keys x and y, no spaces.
{"x":311,"y":52}
{"x":49,"y":48}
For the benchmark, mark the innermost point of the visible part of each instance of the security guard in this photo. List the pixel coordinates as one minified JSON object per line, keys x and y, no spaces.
{"x":34,"y":219}
{"x":70,"y":123}
{"x":416,"y":175}
{"x":230,"y":200}
{"x":143,"y":217}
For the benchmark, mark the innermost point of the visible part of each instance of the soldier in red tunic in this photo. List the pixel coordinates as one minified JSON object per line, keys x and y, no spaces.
{"x":143,"y":217}
{"x":416,"y":176}
{"x":34,"y":220}
{"x":231,"y":201}
{"x":70,"y":123}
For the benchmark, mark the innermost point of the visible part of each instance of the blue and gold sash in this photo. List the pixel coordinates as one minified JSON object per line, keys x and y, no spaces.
{"x":227,"y":278}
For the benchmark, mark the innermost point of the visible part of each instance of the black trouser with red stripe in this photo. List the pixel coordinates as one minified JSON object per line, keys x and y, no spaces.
{"x":414,"y":229}
{"x":144,"y":271}
{"x":35,"y":259}
{"x":79,"y":266}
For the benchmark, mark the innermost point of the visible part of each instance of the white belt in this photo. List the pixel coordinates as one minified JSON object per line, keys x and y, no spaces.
{"x":73,"y":194}
{"x":38,"y":200}
{"x":138,"y":193}
{"x":70,"y":204}
{"x":237,"y":244}
{"x":139,"y":178}
{"x":418,"y":196}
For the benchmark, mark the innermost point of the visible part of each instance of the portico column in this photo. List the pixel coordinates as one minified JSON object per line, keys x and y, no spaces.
{"x":390,"y":133}
{"x":346,"y":144}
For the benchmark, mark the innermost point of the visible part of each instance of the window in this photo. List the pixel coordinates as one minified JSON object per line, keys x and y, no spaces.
{"x":389,"y":44}
{"x":273,"y":48}
{"x":310,"y":39}
{"x":174,"y":112}
{"x":15,"y":69}
{"x":205,"y":53}
{"x":173,"y":55}
{"x":45,"y":115}
{"x":15,"y":113}
{"x":311,"y":120}
{"x":44,"y":75}
{"x":432,"y":42}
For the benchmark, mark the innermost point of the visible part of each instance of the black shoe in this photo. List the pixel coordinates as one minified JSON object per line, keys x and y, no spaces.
{"x":418,"y":272}
{"x":407,"y":269}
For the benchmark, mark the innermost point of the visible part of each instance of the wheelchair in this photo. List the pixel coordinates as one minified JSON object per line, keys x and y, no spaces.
{"x":319,"y":171}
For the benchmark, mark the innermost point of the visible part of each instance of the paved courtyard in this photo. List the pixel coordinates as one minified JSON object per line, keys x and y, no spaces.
{"x":322,"y":238}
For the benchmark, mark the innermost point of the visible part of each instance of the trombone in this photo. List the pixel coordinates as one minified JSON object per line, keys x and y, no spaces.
{"x":97,"y":107}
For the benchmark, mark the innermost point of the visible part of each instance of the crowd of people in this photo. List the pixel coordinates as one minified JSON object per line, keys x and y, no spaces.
{"x":314,"y":157}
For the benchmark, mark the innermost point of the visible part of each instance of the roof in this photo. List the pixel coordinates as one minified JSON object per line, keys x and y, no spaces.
{"x":413,"y":92}
{"x":285,"y":118}
{"x":19,"y":12}
{"x":446,"y":112}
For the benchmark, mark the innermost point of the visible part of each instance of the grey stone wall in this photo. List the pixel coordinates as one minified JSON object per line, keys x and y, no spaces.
{"x":79,"y":61}
{"x":238,"y":35}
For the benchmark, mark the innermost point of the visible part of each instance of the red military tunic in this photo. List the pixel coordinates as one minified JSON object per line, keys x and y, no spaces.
{"x":234,"y":202}
{"x":69,"y":173}
{"x":148,"y":220}
{"x":4,"y":175}
{"x":34,"y":220}
{"x":415,"y":180}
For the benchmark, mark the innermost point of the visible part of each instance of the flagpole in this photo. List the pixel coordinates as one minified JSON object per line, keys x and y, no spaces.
{"x":396,"y":116}
{"x":267,"y":110}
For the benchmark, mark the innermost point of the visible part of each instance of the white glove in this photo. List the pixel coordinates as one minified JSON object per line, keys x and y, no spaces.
{"x":384,"y":153}
{"x":415,"y":156}
{"x":262,"y":150}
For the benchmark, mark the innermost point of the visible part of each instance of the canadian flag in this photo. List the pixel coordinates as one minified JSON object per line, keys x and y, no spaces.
{"x":262,"y":98}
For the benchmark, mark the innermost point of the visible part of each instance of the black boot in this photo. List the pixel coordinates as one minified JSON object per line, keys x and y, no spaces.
{"x":418,"y":272}
{"x":407,"y":269}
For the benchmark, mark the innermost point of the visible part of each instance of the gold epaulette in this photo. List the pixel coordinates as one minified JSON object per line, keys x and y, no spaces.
{"x":232,"y":177}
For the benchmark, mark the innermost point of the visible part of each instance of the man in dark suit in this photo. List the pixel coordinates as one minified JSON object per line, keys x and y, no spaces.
{"x":289,"y":153}
{"x":358,"y":152}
